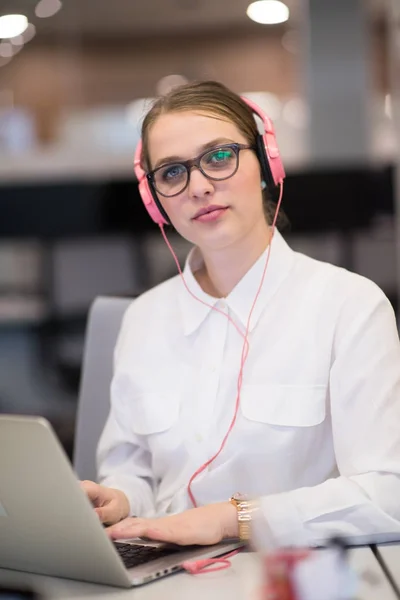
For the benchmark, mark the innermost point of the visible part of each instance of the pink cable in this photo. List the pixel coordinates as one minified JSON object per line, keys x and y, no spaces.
{"x":198,"y":567}
{"x":187,"y":288}
{"x":201,"y":565}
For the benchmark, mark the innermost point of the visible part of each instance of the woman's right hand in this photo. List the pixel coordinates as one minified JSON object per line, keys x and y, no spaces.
{"x":111,"y":505}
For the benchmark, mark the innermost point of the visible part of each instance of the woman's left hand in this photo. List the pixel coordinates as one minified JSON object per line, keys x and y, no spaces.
{"x":204,"y":525}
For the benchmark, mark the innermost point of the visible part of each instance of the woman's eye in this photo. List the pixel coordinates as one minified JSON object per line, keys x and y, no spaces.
{"x":173,"y":172}
{"x":220,"y":156}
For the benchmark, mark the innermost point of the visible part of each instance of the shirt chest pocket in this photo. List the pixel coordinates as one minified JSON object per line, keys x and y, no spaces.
{"x":154,"y":413}
{"x":284,"y":406}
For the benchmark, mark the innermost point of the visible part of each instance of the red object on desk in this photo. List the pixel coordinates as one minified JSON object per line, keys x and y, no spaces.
{"x":278,"y":570}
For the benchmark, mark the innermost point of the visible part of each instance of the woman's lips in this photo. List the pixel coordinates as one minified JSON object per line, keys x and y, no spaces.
{"x":212,"y":213}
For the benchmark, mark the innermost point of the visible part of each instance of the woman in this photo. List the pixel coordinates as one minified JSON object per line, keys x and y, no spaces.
{"x":309,"y":352}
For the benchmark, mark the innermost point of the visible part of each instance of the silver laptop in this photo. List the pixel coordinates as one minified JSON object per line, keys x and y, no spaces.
{"x":48,"y":526}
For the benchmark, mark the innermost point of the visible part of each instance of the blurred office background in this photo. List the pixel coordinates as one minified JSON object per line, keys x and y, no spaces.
{"x":74,"y":86}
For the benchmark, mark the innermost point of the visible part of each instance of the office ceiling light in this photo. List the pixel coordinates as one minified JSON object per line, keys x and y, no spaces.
{"x":29,"y":34}
{"x":18,"y":40}
{"x":47,"y":8}
{"x":12,"y":25}
{"x":268,"y":12}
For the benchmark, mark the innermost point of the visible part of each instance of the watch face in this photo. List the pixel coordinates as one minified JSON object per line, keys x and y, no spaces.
{"x":239,"y":497}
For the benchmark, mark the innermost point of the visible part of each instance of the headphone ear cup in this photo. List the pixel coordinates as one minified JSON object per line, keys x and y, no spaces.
{"x":272,"y":168}
{"x":152,"y":204}
{"x":148,"y":195}
{"x":264,"y":163}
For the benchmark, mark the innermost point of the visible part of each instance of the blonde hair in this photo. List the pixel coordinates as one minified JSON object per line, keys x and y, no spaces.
{"x":208,"y":96}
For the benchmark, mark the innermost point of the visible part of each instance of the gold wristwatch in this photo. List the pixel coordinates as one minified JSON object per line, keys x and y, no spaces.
{"x":244,"y":508}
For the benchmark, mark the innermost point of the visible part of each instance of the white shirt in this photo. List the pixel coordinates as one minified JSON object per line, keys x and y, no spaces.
{"x":318,"y":430}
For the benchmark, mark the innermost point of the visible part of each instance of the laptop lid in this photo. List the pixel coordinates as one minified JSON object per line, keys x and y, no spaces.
{"x":47,"y":523}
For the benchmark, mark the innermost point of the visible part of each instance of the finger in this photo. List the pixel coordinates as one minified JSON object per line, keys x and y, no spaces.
{"x":91,"y":489}
{"x":143,"y":528}
{"x":109,"y":512}
{"x":164,"y":534}
{"x":127,"y":528}
{"x":103,"y":514}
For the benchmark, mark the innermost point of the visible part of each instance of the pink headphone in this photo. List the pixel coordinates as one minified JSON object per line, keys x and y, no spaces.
{"x":267,"y":151}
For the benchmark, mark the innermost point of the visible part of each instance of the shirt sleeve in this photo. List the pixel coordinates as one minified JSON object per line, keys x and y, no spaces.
{"x":364,"y":500}
{"x":123,"y":460}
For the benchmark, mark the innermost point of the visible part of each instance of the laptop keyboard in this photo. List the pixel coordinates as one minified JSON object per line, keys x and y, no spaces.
{"x":133,"y":555}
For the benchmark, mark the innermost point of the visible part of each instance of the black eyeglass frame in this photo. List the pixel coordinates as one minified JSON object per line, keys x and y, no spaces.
{"x":195,"y":162}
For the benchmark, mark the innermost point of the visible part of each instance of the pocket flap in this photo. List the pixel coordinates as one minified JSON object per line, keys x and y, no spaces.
{"x":288,"y":406}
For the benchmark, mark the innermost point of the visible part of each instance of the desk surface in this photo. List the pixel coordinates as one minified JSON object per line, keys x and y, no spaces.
{"x":239,"y":582}
{"x":391,"y":557}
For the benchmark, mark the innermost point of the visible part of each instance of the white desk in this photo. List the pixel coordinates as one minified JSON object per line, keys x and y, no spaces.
{"x":239,"y":582}
{"x":391,"y":557}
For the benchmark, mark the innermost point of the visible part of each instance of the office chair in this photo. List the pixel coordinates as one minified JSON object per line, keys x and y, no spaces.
{"x":104,"y":321}
{"x":78,"y":270}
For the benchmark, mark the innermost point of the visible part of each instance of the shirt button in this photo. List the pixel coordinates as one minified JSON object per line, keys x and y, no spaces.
{"x":221,"y":305}
{"x":198,"y":437}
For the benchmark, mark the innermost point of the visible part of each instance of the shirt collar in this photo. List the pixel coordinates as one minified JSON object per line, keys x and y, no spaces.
{"x":241,"y":298}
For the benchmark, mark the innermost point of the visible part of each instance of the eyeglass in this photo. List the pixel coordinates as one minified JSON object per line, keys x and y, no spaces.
{"x":217,"y":164}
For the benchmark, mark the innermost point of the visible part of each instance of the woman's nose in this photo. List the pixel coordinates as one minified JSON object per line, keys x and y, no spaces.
{"x":199,"y":184}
